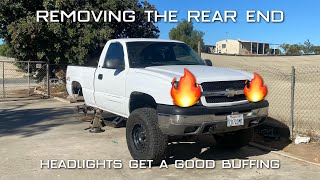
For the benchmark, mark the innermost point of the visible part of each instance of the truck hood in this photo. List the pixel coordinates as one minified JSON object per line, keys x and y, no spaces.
{"x":201,"y":73}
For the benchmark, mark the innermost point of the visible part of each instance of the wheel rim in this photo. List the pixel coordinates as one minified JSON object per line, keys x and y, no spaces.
{"x":139,"y":137}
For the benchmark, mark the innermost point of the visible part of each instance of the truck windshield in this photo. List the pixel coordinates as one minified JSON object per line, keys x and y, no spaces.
{"x":144,"y":54}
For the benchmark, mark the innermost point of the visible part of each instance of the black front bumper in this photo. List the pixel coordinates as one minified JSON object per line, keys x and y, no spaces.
{"x":174,"y":120}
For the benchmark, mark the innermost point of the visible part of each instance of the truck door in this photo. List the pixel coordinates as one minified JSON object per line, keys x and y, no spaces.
{"x":110,"y":80}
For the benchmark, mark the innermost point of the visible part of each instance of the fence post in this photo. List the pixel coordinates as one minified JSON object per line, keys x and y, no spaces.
{"x":48,"y":86}
{"x":29,"y":78}
{"x":3,"y":91}
{"x":199,"y":48}
{"x":293,"y":78}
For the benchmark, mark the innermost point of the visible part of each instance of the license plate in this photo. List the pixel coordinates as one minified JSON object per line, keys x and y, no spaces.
{"x":235,"y":120}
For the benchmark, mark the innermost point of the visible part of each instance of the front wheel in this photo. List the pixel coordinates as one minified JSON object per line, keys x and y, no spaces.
{"x":144,"y":138}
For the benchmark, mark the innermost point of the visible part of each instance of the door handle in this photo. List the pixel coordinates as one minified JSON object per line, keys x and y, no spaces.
{"x":100,"y":76}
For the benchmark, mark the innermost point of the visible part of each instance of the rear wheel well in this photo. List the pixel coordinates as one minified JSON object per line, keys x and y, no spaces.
{"x":140,"y":100}
{"x":76,"y":88}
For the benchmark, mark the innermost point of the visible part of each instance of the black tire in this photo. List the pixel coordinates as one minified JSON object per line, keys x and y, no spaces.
{"x":236,"y":139}
{"x":144,"y":138}
{"x":77,"y":89}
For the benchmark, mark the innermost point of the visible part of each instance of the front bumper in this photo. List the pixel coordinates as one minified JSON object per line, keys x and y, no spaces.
{"x":194,"y":120}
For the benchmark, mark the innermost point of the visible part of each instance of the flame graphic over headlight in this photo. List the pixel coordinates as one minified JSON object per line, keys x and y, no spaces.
{"x":256,"y":90}
{"x":187,"y":93}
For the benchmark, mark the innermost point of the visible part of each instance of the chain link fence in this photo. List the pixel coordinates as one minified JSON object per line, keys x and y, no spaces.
{"x":293,"y":94}
{"x":307,"y":100}
{"x":19,"y":79}
{"x":26,"y":78}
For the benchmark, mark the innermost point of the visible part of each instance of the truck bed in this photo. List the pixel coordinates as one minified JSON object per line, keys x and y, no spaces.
{"x":85,"y":76}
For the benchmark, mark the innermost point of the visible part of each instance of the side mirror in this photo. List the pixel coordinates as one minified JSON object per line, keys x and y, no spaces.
{"x":114,"y":64}
{"x":208,"y":62}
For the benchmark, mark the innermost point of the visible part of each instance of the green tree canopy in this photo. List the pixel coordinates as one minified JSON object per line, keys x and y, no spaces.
{"x":308,"y":47}
{"x":316,"y":49}
{"x":185,"y":32}
{"x":68,"y":42}
{"x":5,"y":50}
{"x":285,"y":48}
{"x":293,"y":49}
{"x":298,"y":49}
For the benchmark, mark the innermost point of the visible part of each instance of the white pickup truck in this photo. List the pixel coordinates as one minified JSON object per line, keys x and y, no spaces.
{"x":134,"y":79}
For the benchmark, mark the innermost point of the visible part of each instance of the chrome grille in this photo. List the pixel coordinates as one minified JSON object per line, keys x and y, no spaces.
{"x":223,"y":91}
{"x":222,"y":99}
{"x":223,"y":85}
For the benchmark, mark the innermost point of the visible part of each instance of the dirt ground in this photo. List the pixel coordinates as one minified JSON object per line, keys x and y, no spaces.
{"x":309,"y":152}
{"x":280,"y":62}
{"x":33,"y":129}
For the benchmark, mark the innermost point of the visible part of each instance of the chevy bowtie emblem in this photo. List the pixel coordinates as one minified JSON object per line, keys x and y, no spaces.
{"x":232,"y":92}
{"x":227,"y":92}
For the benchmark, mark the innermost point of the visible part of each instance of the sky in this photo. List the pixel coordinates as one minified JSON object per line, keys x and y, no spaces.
{"x":301,"y":20}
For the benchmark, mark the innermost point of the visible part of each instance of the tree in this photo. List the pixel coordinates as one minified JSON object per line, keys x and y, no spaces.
{"x":185,"y":32}
{"x":293,"y":49}
{"x":5,"y":50}
{"x":285,"y":48}
{"x":68,"y":42}
{"x":317,"y":50}
{"x":308,"y":47}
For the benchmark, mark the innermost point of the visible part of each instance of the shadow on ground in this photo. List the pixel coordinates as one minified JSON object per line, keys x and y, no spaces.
{"x":272,"y":133}
{"x":21,"y":98}
{"x":187,"y":151}
{"x":30,"y":122}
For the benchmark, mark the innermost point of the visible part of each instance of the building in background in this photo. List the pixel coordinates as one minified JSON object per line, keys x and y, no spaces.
{"x":239,"y":47}
{"x":210,"y":49}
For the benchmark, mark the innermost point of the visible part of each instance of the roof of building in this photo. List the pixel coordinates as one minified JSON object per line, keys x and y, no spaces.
{"x":244,"y":41}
